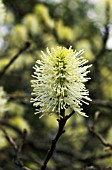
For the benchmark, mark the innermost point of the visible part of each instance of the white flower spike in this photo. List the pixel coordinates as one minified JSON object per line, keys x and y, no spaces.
{"x":59,"y":81}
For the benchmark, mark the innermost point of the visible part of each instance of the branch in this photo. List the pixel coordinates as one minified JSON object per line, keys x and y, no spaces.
{"x":17,"y":149}
{"x":26,"y":46}
{"x":61,"y":122}
{"x":103,"y":103}
{"x":92,"y":159}
{"x":101,"y":139}
{"x":4,"y":123}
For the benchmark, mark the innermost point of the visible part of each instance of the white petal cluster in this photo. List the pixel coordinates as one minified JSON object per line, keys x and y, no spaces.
{"x":2,"y":12}
{"x":3,"y":101}
{"x":59,"y":81}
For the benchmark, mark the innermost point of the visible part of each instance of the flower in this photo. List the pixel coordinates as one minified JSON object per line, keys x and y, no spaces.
{"x":2,"y":12}
{"x":59,"y":81}
{"x":3,"y":101}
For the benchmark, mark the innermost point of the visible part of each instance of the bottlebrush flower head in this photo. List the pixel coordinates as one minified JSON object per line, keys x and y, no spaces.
{"x":59,"y":81}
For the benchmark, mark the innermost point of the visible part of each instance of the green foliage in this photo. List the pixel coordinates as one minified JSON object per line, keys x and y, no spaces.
{"x":64,"y":33}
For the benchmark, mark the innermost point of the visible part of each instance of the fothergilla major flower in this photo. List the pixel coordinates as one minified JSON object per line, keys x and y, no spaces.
{"x":59,"y":81}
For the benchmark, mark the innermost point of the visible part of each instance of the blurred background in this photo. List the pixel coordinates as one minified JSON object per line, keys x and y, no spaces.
{"x":30,"y":26}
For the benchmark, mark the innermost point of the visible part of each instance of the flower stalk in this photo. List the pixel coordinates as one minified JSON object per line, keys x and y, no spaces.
{"x":61,"y":124}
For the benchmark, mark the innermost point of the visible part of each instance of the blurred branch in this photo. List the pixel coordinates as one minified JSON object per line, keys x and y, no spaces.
{"x":103,"y":103}
{"x":101,"y":139}
{"x":91,"y":159}
{"x":7,"y":124}
{"x":61,"y":122}
{"x":17,"y":149}
{"x":98,"y":135}
{"x":26,"y":46}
